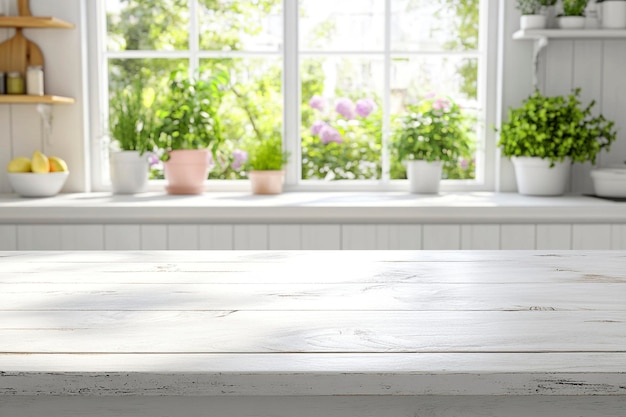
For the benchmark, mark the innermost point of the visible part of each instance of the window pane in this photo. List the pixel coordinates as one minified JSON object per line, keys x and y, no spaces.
{"x":434,"y":25}
{"x":147,"y":25}
{"x":349,"y":25}
{"x":233,"y":25}
{"x":251,"y":109}
{"x":341,"y":118}
{"x":443,"y":80}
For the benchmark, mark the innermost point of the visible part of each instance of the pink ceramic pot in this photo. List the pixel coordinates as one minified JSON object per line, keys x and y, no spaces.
{"x":266,"y":182}
{"x":186,"y":171}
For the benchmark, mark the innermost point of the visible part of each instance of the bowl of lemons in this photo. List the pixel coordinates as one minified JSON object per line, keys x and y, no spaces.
{"x":39,"y":176}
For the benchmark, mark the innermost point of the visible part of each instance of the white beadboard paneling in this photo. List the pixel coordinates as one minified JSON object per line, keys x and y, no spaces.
{"x":559,"y":71}
{"x":285,"y":237}
{"x":618,"y":237}
{"x":153,"y":236}
{"x":591,"y":236}
{"x":182,"y":237}
{"x":320,"y":236}
{"x":39,"y":237}
{"x":251,"y":237}
{"x":554,"y":237}
{"x":358,"y":237}
{"x":6,"y":150}
{"x":613,"y":97}
{"x":399,"y":237}
{"x":215,"y":237}
{"x":82,"y":237}
{"x":8,"y":237}
{"x":122,"y":237}
{"x":517,"y":236}
{"x":480,"y":236}
{"x":441,"y":237}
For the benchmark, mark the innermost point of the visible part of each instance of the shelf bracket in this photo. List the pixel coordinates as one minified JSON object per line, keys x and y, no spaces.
{"x":540,"y":44}
{"x":45,"y":111}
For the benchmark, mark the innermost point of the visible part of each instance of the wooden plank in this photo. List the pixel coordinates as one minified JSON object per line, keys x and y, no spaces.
{"x":153,"y":236}
{"x":321,"y":236}
{"x":317,"y":331}
{"x":399,"y":237}
{"x":441,"y":237}
{"x":285,"y":237}
{"x":215,"y":237}
{"x":24,"y":99}
{"x":517,"y":236}
{"x":554,"y":236}
{"x":480,"y":236}
{"x":82,"y":237}
{"x":8,"y":237}
{"x":34,"y":22}
{"x":182,"y":237}
{"x":250,"y":237}
{"x":618,"y":237}
{"x":122,"y":237}
{"x":39,"y":237}
{"x":596,"y":236}
{"x":314,"y":297}
{"x":358,"y":237}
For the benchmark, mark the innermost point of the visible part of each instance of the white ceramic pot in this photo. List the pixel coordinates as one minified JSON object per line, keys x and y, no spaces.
{"x":533,"y":21}
{"x":424,"y":177}
{"x":612,"y":14}
{"x":609,"y":182}
{"x":129,"y":172}
{"x":572,"y":22}
{"x":535,"y":177}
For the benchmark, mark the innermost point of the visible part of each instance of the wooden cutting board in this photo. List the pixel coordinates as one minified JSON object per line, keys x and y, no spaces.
{"x":18,"y":53}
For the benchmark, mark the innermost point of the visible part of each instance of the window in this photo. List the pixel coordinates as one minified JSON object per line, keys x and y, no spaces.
{"x":333,"y":77}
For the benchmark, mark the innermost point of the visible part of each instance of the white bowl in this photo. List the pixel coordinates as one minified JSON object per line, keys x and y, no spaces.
{"x":609,"y":182}
{"x":29,"y":184}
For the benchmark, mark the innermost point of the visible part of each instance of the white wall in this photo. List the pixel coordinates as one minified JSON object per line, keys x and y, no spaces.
{"x":21,"y":129}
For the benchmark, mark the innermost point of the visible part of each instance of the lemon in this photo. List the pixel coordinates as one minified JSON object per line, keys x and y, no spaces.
{"x":20,"y":164}
{"x":57,"y":164}
{"x":40,"y":163}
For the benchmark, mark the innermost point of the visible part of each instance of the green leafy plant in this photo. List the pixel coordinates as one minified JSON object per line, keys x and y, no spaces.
{"x":436,"y":129}
{"x":555,"y":128}
{"x":268,"y":155}
{"x":189,"y":118}
{"x":132,"y":121}
{"x":574,"y":7}
{"x":527,"y":7}
{"x":547,"y":3}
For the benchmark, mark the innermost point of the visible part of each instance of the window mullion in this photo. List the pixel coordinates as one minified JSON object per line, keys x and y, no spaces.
{"x":291,"y":92}
{"x":386,"y":162}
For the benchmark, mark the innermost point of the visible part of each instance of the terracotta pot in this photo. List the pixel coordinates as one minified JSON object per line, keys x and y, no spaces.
{"x":186,"y":171}
{"x":266,"y":182}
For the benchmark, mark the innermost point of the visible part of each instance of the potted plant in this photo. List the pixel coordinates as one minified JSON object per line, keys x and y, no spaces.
{"x":132,"y":127}
{"x":265,"y":166}
{"x":573,"y":16}
{"x":546,"y":135}
{"x":190,"y":131}
{"x":432,"y":133}
{"x":531,"y":17}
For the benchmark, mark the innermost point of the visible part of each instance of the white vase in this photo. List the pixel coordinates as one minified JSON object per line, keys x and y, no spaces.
{"x":424,"y":177}
{"x":533,"y":21}
{"x":535,"y":176}
{"x":129,"y":172}
{"x":572,"y":22}
{"x":612,"y":14}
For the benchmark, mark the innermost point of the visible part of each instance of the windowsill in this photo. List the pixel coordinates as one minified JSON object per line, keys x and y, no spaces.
{"x":309,"y":207}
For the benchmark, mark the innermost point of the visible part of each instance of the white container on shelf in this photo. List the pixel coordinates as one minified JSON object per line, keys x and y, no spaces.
{"x":534,"y":176}
{"x":609,"y":182}
{"x":612,"y":14}
{"x":533,"y":21}
{"x":572,"y":22}
{"x":34,"y":81}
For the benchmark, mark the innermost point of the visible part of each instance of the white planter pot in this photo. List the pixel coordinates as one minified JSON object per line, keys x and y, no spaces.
{"x":533,"y":21}
{"x":129,"y":172}
{"x":612,"y":14}
{"x":535,"y":177}
{"x":572,"y":22}
{"x":609,"y":182}
{"x":424,"y":177}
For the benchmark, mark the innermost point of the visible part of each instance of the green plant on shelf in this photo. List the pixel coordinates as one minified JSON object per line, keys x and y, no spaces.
{"x":574,"y":7}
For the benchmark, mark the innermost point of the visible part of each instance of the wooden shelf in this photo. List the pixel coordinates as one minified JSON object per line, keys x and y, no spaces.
{"x":534,"y":34}
{"x":24,"y":99}
{"x":34,"y":22}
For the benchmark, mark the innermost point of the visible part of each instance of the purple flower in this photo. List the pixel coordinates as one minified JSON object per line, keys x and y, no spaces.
{"x":441,"y":104}
{"x":345,"y":107}
{"x":330,"y":134}
{"x":317,"y":127}
{"x":317,"y":103}
{"x":365,"y":107}
{"x":239,"y":158}
{"x":153,"y":159}
{"x":430,"y":95}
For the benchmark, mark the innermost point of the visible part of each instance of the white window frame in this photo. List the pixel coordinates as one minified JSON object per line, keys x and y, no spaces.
{"x":487,"y":98}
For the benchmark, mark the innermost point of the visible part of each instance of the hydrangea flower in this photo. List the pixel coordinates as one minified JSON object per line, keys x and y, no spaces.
{"x":317,"y":103}
{"x":239,"y":158}
{"x":345,"y":107}
{"x":330,"y":134}
{"x":365,"y":107}
{"x":317,"y":127}
{"x":441,"y":104}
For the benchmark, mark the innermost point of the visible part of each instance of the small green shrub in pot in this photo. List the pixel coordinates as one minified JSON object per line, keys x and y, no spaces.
{"x":265,"y":166}
{"x":574,"y":7}
{"x":529,"y":7}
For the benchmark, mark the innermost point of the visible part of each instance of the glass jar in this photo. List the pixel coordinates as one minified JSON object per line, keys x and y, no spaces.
{"x":15,"y":83}
{"x":34,"y":80}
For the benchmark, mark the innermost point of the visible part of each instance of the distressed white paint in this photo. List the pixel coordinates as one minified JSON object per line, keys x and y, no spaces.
{"x":554,"y":236}
{"x":153,"y":237}
{"x":596,"y":236}
{"x":182,"y":237}
{"x":517,"y":236}
{"x":441,"y":237}
{"x":215,"y":237}
{"x":122,"y":237}
{"x":251,"y":237}
{"x":82,"y":237}
{"x":480,"y":236}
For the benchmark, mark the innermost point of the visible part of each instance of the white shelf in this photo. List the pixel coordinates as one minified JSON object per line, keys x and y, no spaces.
{"x":534,"y":34}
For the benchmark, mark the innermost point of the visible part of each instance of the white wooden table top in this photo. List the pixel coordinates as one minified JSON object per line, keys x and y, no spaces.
{"x":313,"y":323}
